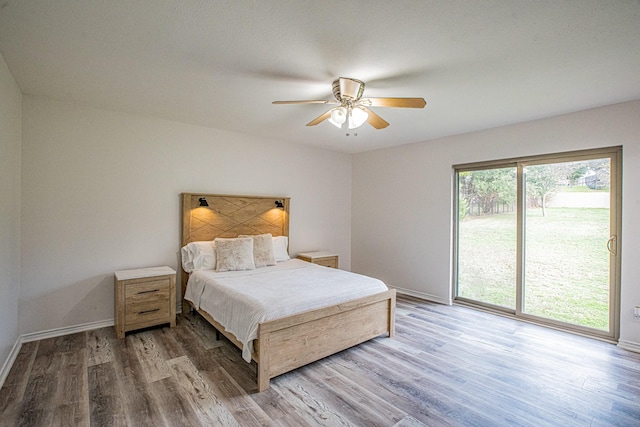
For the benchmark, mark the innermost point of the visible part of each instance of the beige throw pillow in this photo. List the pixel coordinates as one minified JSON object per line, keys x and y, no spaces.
{"x":234,"y":254}
{"x":262,"y":249}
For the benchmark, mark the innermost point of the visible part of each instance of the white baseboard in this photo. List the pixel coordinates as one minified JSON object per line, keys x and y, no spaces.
{"x":629,"y":345}
{"x":9,"y":362}
{"x":422,"y":295}
{"x":67,"y":330}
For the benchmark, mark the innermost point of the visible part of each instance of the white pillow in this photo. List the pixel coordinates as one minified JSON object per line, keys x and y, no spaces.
{"x":262,"y":249}
{"x":280,"y":248}
{"x":198,"y":256}
{"x":234,"y":254}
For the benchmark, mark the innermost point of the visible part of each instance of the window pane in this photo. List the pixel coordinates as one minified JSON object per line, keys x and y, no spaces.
{"x":487,"y":236}
{"x":566,"y":232}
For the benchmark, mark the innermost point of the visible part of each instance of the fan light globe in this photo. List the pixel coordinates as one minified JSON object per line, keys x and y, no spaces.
{"x":338,"y":116}
{"x":357,"y":118}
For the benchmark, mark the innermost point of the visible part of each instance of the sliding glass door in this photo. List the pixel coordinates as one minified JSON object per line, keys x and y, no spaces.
{"x":537,"y":238}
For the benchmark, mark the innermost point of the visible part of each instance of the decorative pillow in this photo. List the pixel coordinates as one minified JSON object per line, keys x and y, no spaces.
{"x":198,"y":256}
{"x":262,"y":249}
{"x":280,"y":251}
{"x":234,"y":254}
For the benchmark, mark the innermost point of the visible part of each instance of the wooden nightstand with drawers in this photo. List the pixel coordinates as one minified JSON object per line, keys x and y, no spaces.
{"x":144,"y":297}
{"x":328,"y":259}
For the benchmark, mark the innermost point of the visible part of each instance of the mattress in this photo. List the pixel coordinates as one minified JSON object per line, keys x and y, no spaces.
{"x":240,"y":300}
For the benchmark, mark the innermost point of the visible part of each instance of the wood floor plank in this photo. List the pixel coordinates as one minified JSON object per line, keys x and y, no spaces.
{"x":72,"y":394}
{"x":558,"y":383}
{"x":173,"y":403}
{"x":410,"y":391}
{"x":106,"y":404}
{"x":272,"y":403}
{"x":513,"y":376}
{"x":36,"y":409}
{"x":244,"y":409}
{"x":245,"y":374}
{"x":409,"y":421}
{"x":310,"y":410}
{"x":204,"y":359}
{"x":222,"y":354}
{"x":151,"y":356}
{"x":139,"y":404}
{"x":49,"y":397}
{"x":210,"y":410}
{"x":99,"y":349}
{"x":204,"y":332}
{"x":446,"y":366}
{"x":513,"y":388}
{"x":627,"y":411}
{"x":356,"y":403}
{"x":166,"y":338}
{"x":14,"y":387}
{"x":295,"y":419}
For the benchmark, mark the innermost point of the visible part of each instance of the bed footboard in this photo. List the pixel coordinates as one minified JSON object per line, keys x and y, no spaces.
{"x":291,"y":342}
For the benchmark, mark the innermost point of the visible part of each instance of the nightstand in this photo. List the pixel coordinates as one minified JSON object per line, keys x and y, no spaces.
{"x":328,"y":259}
{"x":144,"y":297}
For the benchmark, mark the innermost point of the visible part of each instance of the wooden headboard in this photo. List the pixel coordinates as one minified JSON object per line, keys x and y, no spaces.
{"x":230,"y":216}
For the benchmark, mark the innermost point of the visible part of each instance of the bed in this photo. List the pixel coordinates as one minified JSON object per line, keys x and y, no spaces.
{"x":285,"y":337}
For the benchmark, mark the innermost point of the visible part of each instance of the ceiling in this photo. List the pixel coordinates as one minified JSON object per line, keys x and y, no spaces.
{"x":220,"y":64}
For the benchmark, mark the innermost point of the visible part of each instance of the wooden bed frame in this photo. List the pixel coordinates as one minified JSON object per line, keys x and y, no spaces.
{"x":290,"y":342}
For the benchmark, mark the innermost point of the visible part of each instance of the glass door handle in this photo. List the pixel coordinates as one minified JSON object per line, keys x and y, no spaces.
{"x":611,"y":245}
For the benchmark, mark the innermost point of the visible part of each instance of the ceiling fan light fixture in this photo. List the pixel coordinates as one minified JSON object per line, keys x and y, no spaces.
{"x":357,"y":117}
{"x":338,"y":116}
{"x":352,"y":108}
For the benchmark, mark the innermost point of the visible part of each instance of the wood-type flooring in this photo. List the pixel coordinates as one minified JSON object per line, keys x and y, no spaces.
{"x":446,"y":366}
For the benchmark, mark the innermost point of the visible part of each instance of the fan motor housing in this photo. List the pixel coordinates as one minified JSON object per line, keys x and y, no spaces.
{"x":347,"y":89}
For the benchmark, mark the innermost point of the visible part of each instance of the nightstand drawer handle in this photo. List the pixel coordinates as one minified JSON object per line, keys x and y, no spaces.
{"x":148,"y":292}
{"x":149,"y":311}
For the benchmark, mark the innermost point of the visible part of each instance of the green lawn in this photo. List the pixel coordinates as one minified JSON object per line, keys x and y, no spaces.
{"x":567,"y":268}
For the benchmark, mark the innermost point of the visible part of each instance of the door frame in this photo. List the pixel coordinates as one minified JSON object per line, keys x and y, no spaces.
{"x":615,"y":154}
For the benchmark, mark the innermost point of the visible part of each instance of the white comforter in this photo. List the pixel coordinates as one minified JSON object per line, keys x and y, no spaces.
{"x":240,"y":300}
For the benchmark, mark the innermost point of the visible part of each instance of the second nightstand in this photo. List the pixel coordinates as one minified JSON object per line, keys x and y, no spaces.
{"x":328,"y":259}
{"x":144,"y":297}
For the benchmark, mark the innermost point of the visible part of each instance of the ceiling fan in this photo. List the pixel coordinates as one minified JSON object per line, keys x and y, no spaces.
{"x":352,"y":109}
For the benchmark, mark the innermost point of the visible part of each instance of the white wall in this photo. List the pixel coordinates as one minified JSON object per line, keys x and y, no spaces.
{"x":10,"y":137}
{"x":100,"y":192}
{"x":402,"y":198}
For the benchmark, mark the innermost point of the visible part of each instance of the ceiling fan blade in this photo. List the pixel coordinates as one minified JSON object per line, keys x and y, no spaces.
{"x":305,"y":102}
{"x":394,"y":102}
{"x":320,"y":119}
{"x":375,"y":120}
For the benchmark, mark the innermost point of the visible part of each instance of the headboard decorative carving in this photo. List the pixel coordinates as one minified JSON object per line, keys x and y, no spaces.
{"x":230,"y":216}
